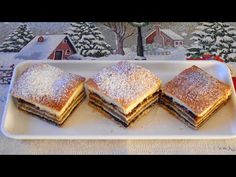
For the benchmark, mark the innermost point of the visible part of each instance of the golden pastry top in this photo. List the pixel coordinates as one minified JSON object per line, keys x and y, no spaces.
{"x":46,"y":85}
{"x":196,"y":89}
{"x":124,"y":83}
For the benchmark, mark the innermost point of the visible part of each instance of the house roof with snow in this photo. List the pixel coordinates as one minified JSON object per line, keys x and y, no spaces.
{"x":41,"y":50}
{"x":172,"y":34}
{"x":169,"y":33}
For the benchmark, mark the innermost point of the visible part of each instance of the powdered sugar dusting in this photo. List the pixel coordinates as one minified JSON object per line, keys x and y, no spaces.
{"x":196,"y":88}
{"x":125,"y":81}
{"x":45,"y":83}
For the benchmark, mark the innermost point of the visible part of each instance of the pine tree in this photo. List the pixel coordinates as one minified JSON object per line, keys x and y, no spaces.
{"x":88,"y":40}
{"x":17,"y":40}
{"x":217,"y":38}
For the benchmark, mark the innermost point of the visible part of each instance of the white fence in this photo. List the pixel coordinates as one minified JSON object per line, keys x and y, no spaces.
{"x":154,"y":49}
{"x":6,"y":74}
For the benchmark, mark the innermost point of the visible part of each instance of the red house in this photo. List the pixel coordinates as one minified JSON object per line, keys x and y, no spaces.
{"x":164,"y":37}
{"x":54,"y":47}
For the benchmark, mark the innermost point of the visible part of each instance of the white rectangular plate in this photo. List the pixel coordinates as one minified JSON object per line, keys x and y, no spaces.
{"x":86,"y":123}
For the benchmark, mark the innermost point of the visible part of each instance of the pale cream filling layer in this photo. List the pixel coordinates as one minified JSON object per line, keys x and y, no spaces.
{"x":200,"y":120}
{"x":132,"y":105}
{"x":139,"y":110}
{"x":76,"y":93}
{"x":58,"y":120}
{"x":204,"y":111}
{"x":116,"y":116}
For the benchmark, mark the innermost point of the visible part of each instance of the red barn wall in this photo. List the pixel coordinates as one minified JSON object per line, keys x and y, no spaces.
{"x":167,"y":40}
{"x":159,"y":39}
{"x":63,"y":46}
{"x":150,"y":38}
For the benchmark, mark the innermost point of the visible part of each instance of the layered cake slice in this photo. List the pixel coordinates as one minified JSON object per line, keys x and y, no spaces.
{"x":48,"y":92}
{"x":193,"y":96}
{"x":123,"y":91}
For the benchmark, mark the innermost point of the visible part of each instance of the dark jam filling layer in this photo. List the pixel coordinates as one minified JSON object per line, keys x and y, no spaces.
{"x":23,"y":102}
{"x":124,"y":123}
{"x":177,"y":113}
{"x":181,"y":106}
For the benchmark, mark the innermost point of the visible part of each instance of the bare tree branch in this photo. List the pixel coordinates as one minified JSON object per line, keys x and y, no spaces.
{"x":120,"y":28}
{"x":128,"y":35}
{"x":122,"y":31}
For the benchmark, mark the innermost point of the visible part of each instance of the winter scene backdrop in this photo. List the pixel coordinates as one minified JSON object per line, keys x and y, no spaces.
{"x":113,"y":41}
{"x":117,"y":40}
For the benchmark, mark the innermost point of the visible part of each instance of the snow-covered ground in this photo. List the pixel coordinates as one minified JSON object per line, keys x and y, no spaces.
{"x":129,"y":56}
{"x":8,"y":58}
{"x":175,"y":54}
{"x":3,"y":97}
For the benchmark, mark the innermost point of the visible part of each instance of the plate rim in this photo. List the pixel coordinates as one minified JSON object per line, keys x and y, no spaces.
{"x":107,"y":137}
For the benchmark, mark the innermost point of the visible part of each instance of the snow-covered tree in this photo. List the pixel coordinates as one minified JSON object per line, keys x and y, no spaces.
{"x":17,"y":40}
{"x":88,"y":40}
{"x":216,"y":38}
